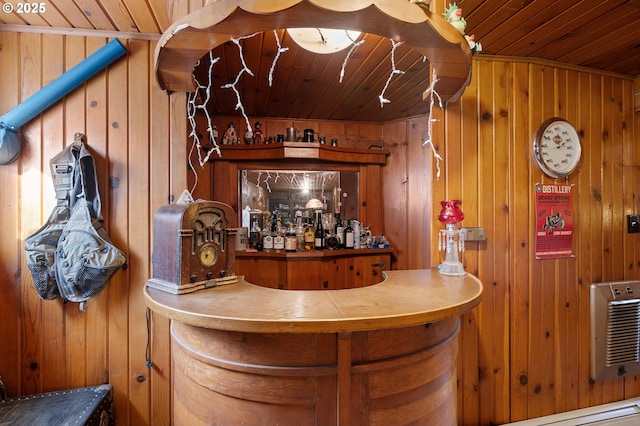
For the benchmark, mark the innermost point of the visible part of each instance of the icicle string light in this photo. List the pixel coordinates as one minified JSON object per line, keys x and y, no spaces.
{"x":394,"y":71}
{"x":324,"y":197}
{"x":192,"y":108}
{"x":275,"y":60}
{"x":203,"y":95}
{"x":233,"y":86}
{"x":346,"y":59}
{"x":266,"y":182}
{"x":432,"y":97}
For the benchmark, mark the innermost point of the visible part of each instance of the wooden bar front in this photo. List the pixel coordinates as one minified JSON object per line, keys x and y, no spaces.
{"x":315,"y":269}
{"x":383,"y":354}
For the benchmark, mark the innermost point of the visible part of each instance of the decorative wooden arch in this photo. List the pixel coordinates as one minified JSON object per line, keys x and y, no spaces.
{"x":191,"y":37}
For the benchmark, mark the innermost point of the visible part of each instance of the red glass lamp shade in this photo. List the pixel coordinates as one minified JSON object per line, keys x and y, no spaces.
{"x":450,"y":212}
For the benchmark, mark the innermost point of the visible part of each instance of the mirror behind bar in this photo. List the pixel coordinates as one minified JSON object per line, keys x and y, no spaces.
{"x":288,"y":191}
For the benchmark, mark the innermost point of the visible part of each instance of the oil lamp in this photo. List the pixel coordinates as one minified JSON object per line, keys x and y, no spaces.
{"x":450,"y":215}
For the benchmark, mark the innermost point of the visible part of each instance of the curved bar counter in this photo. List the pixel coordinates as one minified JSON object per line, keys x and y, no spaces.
{"x":383,"y":354}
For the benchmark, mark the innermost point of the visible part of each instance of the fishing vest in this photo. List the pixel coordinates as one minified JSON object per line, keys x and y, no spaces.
{"x":71,"y":255}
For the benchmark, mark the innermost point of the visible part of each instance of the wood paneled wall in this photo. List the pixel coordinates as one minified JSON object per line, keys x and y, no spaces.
{"x":524,"y":352}
{"x":129,"y":126}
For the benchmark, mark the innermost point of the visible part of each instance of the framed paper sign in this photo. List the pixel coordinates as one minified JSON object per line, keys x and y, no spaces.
{"x":554,"y":221}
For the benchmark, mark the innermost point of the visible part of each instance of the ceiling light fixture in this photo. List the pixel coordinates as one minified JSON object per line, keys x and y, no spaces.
{"x":323,"y":40}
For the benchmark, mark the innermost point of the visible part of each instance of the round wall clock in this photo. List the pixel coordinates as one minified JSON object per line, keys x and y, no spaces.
{"x":557,"y":147}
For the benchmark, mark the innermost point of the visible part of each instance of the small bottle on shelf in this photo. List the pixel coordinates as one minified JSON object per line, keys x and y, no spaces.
{"x":356,"y":234}
{"x":254,"y":234}
{"x":278,"y":236}
{"x":267,"y":240}
{"x":290,"y":239}
{"x":349,"y":236}
{"x":318,"y":243}
{"x":339,"y":231}
{"x":309,"y":238}
{"x":331,"y":241}
{"x":299,"y":230}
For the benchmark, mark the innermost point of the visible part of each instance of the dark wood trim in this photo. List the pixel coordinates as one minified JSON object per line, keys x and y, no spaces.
{"x":302,"y":150}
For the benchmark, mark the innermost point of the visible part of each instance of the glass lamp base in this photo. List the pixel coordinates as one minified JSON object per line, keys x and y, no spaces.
{"x":451,"y":268}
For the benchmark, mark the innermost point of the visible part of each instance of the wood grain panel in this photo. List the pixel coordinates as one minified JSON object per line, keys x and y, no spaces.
{"x":96,"y":126}
{"x":489,"y":214}
{"x":418,"y":189}
{"x":118,"y":14}
{"x":31,"y":216}
{"x":522,"y":248}
{"x":160,"y":190}
{"x":73,"y":14}
{"x":299,"y":273}
{"x":140,"y":219}
{"x":468,"y":378}
{"x":75,"y":321}
{"x":10,"y":262}
{"x":177,"y":154}
{"x":567,"y":336}
{"x":119,"y":320}
{"x":54,"y":354}
{"x":394,"y":179}
{"x":371,"y":199}
{"x":499,"y":254}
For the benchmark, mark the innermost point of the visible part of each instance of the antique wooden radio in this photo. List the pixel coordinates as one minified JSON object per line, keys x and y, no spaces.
{"x":193,"y":246}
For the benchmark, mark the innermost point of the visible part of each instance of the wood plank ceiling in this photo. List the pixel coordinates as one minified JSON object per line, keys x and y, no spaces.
{"x":603,"y":35}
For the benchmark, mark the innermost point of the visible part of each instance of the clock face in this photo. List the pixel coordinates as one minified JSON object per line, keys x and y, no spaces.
{"x":557,"y":148}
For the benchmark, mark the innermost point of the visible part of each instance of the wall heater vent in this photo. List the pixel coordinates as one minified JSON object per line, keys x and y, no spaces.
{"x":615,"y":329}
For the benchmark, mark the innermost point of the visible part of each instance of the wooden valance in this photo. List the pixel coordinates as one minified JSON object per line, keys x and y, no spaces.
{"x":189,"y":38}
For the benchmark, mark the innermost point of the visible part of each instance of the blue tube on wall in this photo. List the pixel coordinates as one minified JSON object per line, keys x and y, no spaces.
{"x":50,"y":94}
{"x":61,"y":86}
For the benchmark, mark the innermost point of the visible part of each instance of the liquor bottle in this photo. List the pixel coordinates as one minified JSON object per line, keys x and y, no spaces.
{"x":254,"y":234}
{"x":357,"y":234}
{"x":318,"y":242}
{"x":349,"y":236}
{"x":339,"y":231}
{"x":278,"y":241}
{"x":309,"y":238}
{"x":290,"y":239}
{"x":278,"y":236}
{"x":267,"y":240}
{"x":300,"y":231}
{"x":331,"y":241}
